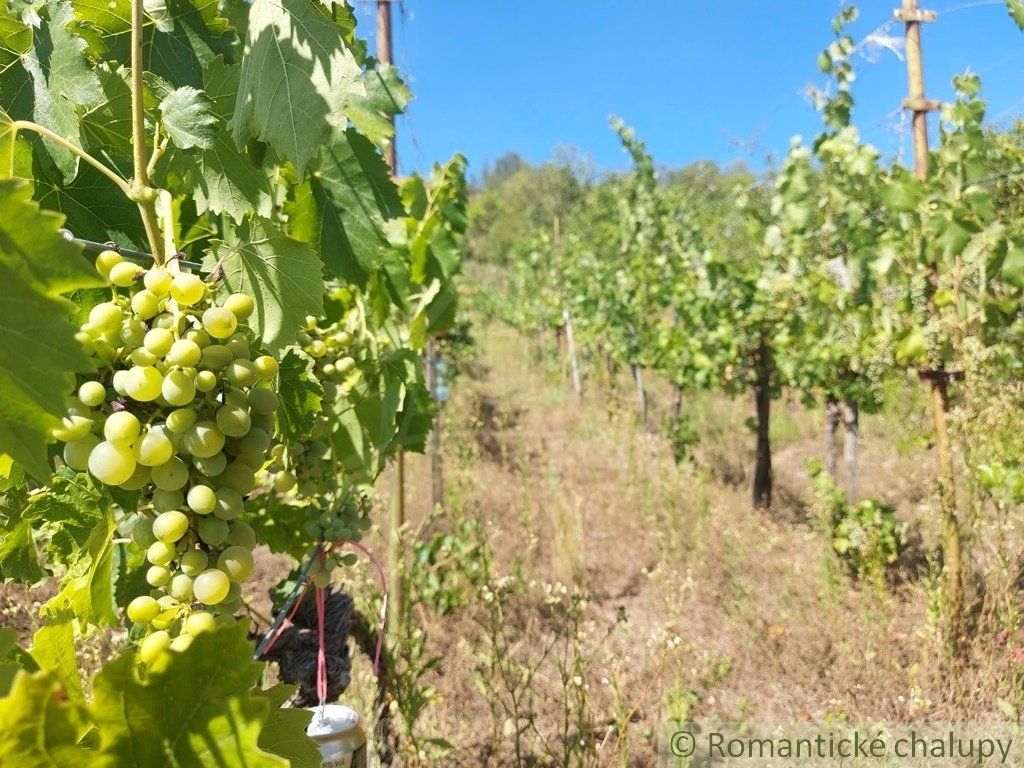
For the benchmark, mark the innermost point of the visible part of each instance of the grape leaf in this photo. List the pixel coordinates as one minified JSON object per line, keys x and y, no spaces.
{"x":296,"y":81}
{"x":350,"y":198}
{"x":386,"y":96}
{"x":300,"y":394}
{"x":108,"y":126}
{"x":38,"y":351}
{"x":62,"y":81}
{"x":88,"y":587}
{"x":284,"y":733}
{"x":18,"y":559}
{"x":186,"y":114}
{"x":53,"y":649}
{"x":15,"y":38}
{"x":284,"y":276}
{"x":1016,"y":9}
{"x":192,"y":708}
{"x":41,"y":726}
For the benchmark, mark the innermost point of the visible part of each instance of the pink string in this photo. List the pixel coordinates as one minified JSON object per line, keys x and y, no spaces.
{"x":287,"y":620}
{"x":382,"y":580}
{"x":321,"y":655}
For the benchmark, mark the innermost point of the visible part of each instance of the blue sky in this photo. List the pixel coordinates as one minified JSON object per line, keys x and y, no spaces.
{"x":697,"y":79}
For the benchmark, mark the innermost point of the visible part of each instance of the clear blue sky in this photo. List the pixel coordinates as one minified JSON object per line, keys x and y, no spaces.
{"x":694,"y":77}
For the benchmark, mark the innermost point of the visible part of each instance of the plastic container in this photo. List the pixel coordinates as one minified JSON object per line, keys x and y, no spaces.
{"x":338,"y":732}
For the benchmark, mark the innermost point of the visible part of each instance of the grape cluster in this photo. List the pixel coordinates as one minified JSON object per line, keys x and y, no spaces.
{"x":309,"y":471}
{"x":181,"y":410}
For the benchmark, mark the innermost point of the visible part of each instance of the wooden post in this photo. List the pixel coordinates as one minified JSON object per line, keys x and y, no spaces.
{"x":936,"y":381}
{"x":831,"y":425}
{"x":574,"y":367}
{"x":396,"y":523}
{"x":434,"y":444}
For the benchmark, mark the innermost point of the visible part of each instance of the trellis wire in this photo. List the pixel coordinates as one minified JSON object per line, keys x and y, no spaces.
{"x":128,"y":253}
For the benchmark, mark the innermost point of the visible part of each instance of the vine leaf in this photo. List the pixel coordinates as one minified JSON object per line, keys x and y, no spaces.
{"x":38,"y":351}
{"x":42,"y":725}
{"x":297,"y":78}
{"x":53,"y":649}
{"x":386,"y":95}
{"x":284,"y":733}
{"x":186,"y":114}
{"x":1016,"y":9}
{"x":62,"y":81}
{"x":15,"y":38}
{"x":284,"y":277}
{"x":190,"y":708}
{"x":300,"y":393}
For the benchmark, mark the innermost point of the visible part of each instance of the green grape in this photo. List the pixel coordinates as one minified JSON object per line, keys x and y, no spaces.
{"x":185,"y":353}
{"x":154,"y":448}
{"x":237,"y":477}
{"x":216,"y":356}
{"x":117,"y":382}
{"x":266,"y":367}
{"x":133,"y":332}
{"x":138,"y":480}
{"x":106,"y":317}
{"x":241,"y":534}
{"x":143,"y":610}
{"x":229,"y":504}
{"x":211,"y":466}
{"x":106,"y":261}
{"x":169,"y":527}
{"x":236,"y":562}
{"x":142,"y":532}
{"x":181,"y":420}
{"x":143,"y":383}
{"x":73,"y":428}
{"x":158,"y":280}
{"x":284,"y":482}
{"x":181,"y":643}
{"x":202,"y":499}
{"x":204,"y":439}
{"x":187,"y":289}
{"x":198,"y":335}
{"x":194,"y":562}
{"x":181,"y":587}
{"x":111,"y":463}
{"x":160,"y":552}
{"x":143,"y":357}
{"x":213,"y":530}
{"x":238,"y":345}
{"x":92,"y":393}
{"x":211,"y":586}
{"x":170,"y":476}
{"x":199,"y":622}
{"x":219,"y":322}
{"x":146,"y":304}
{"x":154,"y":645}
{"x":158,"y":341}
{"x":124,"y":274}
{"x":240,"y":373}
{"x":263,"y":401}
{"x":233,"y":420}
{"x":317,"y":349}
{"x":178,"y":388}
{"x":240,"y":305}
{"x":158,"y":575}
{"x":164,"y":501}
{"x":206,"y":381}
{"x":122,"y":427}
{"x":167,"y":321}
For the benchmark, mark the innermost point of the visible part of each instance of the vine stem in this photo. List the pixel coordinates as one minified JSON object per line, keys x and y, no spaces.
{"x":140,"y":191}
{"x":46,"y":133}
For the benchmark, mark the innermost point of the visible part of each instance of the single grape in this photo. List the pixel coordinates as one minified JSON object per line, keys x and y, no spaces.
{"x":169,"y":527}
{"x":111,"y":463}
{"x":266,"y":367}
{"x":143,"y":383}
{"x":165,"y":501}
{"x":92,"y":393}
{"x":143,"y":610}
{"x":160,"y":552}
{"x":181,"y":587}
{"x":238,"y":477}
{"x":239,"y":347}
{"x":154,"y":448}
{"x":202,"y":499}
{"x":219,"y":322}
{"x":240,"y":373}
{"x":181,"y":643}
{"x":158,"y":341}
{"x":198,"y":622}
{"x":187,"y":289}
{"x":142,"y":532}
{"x":106,"y":317}
{"x":212,"y":466}
{"x":138,"y":480}
{"x":73,"y":428}
{"x":133,"y":332}
{"x":194,"y":562}
{"x":158,"y":280}
{"x":204,"y":439}
{"x":216,"y":356}
{"x":154,"y":645}
{"x":213,"y":531}
{"x":158,"y":575}
{"x":170,"y":476}
{"x":122,"y":427}
{"x":284,"y":481}
{"x":263,"y":401}
{"x":206,"y":381}
{"x":256,"y":441}
{"x":211,"y":586}
{"x":146,"y":304}
{"x":236,"y":562}
{"x":233,"y":420}
{"x":241,"y":534}
{"x":181,"y":420}
{"x":106,"y":261}
{"x":142,"y":357}
{"x":229,"y":504}
{"x":178,"y":388}
{"x":124,"y":274}
{"x":184,"y":352}
{"x":117,"y":381}
{"x":240,"y":305}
